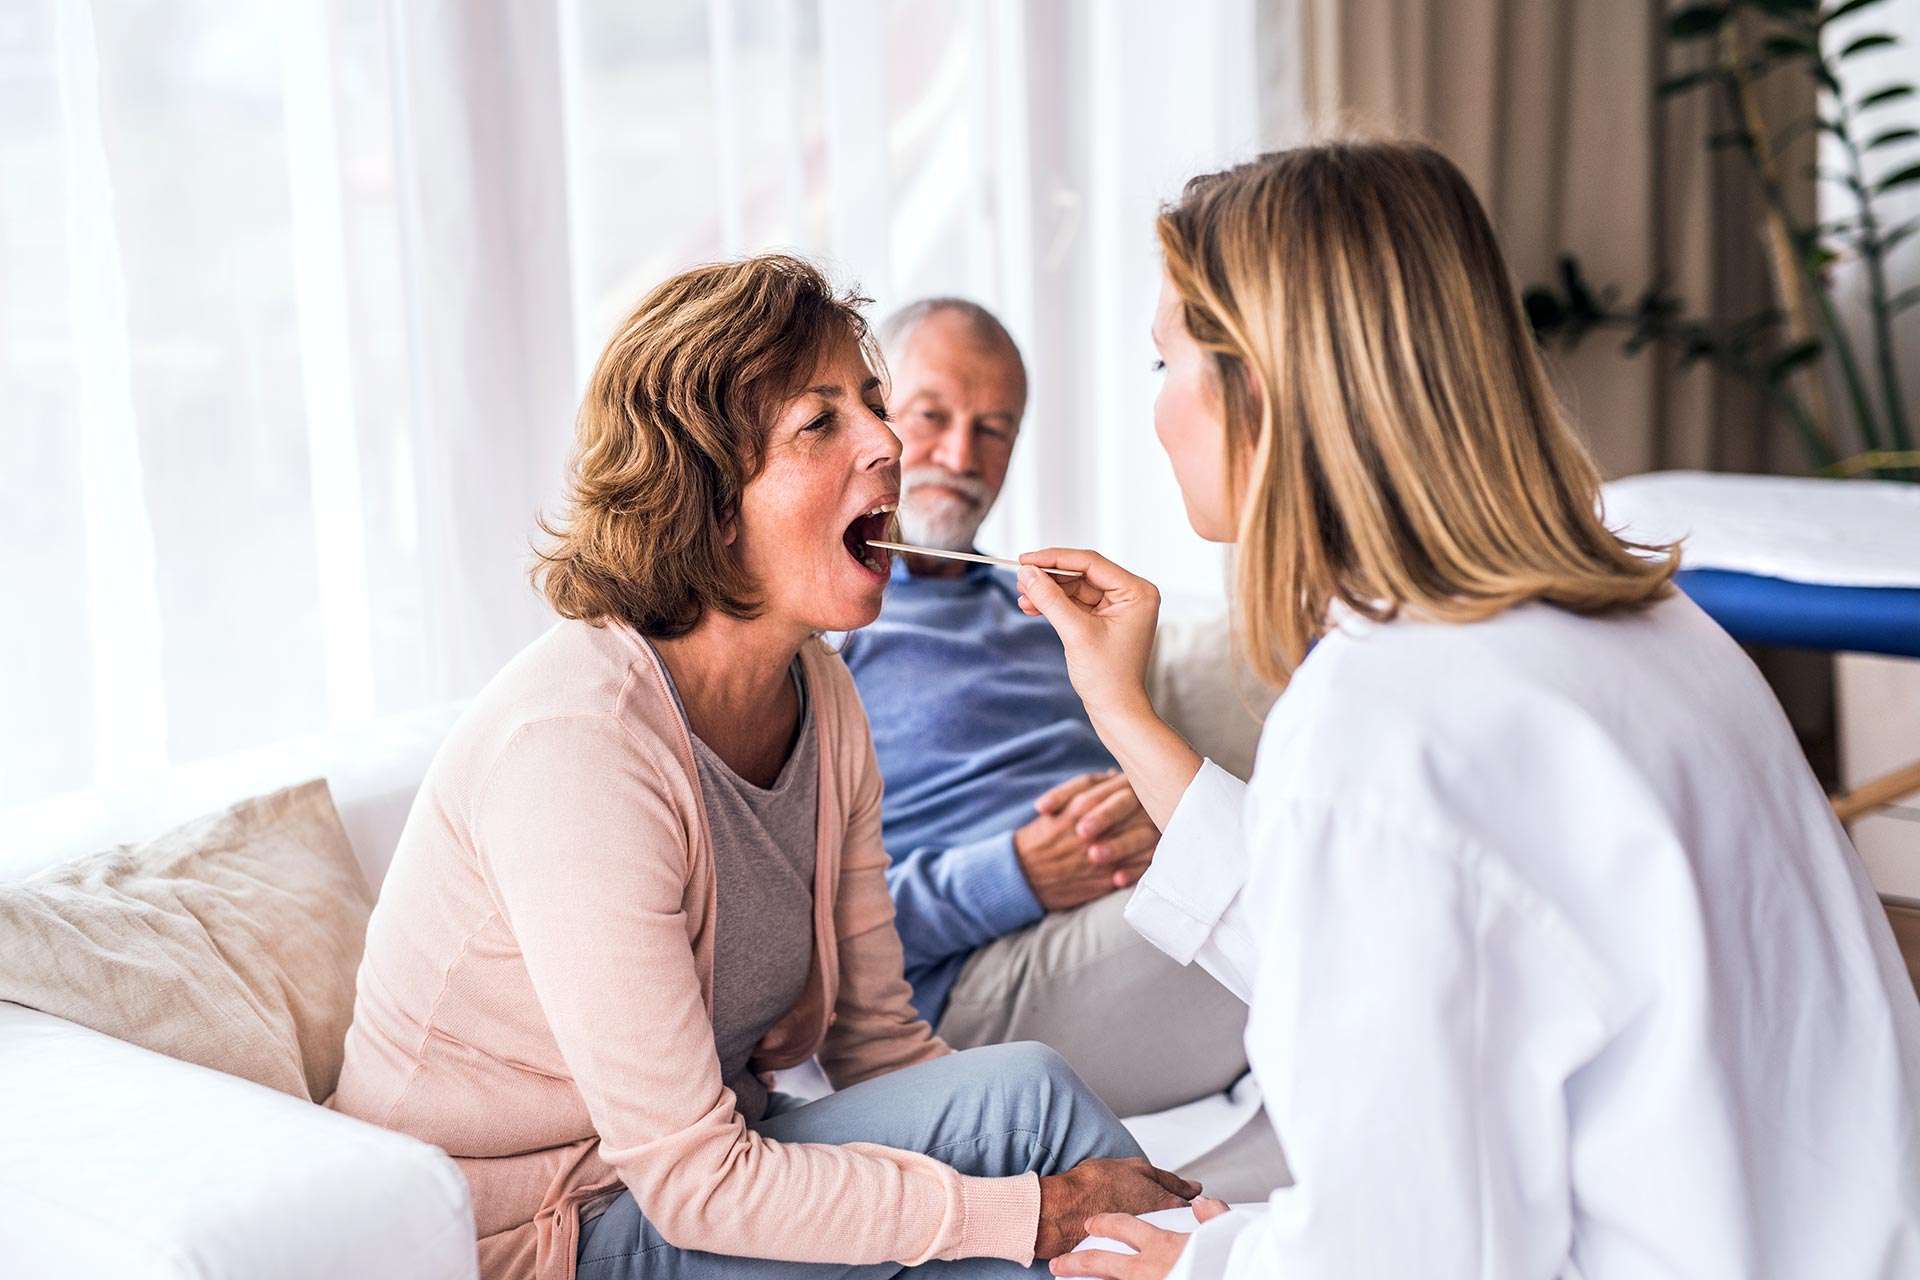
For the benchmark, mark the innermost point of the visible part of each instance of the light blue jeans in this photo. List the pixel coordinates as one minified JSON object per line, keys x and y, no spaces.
{"x":991,"y":1112}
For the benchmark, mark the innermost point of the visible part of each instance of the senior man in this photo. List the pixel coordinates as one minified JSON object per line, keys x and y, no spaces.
{"x":1013,"y":835}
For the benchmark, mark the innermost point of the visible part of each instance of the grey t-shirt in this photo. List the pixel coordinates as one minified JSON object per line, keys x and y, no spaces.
{"x":763,"y":848}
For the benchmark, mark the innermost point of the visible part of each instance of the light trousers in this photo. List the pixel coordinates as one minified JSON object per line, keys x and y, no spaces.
{"x":991,"y":1112}
{"x":1084,"y":982}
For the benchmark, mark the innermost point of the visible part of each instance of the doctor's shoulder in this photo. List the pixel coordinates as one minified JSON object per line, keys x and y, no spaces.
{"x":1373,"y":693}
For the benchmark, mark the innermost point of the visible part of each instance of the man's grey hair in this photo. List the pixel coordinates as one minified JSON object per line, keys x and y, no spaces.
{"x":985,"y":327}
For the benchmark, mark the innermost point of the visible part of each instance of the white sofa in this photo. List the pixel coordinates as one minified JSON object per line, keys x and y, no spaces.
{"x":118,"y":1162}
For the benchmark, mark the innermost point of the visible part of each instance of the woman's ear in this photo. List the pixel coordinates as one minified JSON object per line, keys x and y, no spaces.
{"x":1250,"y":384}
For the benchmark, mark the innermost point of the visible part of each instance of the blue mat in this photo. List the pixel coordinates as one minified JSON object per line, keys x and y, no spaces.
{"x":1806,"y":615}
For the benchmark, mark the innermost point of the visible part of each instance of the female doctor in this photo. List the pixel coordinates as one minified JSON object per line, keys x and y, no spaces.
{"x":1557,"y":959}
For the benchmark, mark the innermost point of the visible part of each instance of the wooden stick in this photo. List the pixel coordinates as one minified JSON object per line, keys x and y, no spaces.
{"x":938,"y":553}
{"x":1877,"y":793}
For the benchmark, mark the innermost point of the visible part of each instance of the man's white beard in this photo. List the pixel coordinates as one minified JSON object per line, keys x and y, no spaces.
{"x":935,"y":520}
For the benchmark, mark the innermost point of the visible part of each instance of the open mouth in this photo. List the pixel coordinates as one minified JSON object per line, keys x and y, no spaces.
{"x":877,"y":523}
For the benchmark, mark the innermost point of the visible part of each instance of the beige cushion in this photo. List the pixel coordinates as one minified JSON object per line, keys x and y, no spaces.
{"x":230,"y":942}
{"x":1202,"y":687}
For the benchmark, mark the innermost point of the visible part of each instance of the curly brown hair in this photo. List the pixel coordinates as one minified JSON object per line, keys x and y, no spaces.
{"x":673,"y":427}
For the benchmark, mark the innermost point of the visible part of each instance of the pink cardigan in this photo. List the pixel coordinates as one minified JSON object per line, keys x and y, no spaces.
{"x":536,"y":995}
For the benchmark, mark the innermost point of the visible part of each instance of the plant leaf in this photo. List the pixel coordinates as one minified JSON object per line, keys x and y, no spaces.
{"x":1756,"y":325}
{"x":1792,"y":358}
{"x":1789,"y":132}
{"x":1581,"y":300}
{"x":1890,"y":137}
{"x":1895,"y":235}
{"x":1841,"y":11}
{"x":1692,"y":79}
{"x":1866,"y":43}
{"x":1905,"y":298}
{"x":1890,"y":93}
{"x":1789,"y":47}
{"x":1904,"y":178}
{"x":1545,"y":312}
{"x":1695,"y":21}
{"x":1696,"y":347}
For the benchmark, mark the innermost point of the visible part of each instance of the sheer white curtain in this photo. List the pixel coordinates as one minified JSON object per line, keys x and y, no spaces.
{"x":1009,"y":152}
{"x":295,"y":301}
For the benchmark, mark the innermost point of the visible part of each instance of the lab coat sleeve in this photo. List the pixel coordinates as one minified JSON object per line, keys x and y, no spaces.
{"x":1418,"y":1011}
{"x":1190,"y":902}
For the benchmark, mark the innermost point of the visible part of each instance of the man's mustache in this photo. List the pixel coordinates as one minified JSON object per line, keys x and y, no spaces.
{"x":919,"y":477}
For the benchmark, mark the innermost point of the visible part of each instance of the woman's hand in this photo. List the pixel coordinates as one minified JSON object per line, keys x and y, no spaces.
{"x":1156,"y":1248}
{"x":1125,"y":1186}
{"x":1105,"y":617}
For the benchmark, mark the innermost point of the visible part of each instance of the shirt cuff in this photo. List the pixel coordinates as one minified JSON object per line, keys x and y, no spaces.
{"x":996,"y":886}
{"x":1198,"y":868}
{"x":1209,"y":1251}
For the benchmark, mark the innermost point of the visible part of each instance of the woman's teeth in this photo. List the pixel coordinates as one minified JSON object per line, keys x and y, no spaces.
{"x":874,"y":523}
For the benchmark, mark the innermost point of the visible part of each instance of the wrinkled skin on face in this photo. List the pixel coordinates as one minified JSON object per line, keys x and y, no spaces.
{"x":830,"y":479}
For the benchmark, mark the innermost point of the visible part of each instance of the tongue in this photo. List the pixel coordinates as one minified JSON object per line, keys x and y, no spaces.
{"x":863,"y":528}
{"x":856,"y":537}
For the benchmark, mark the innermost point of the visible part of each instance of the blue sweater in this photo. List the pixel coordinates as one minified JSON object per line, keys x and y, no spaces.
{"x":973,"y":717}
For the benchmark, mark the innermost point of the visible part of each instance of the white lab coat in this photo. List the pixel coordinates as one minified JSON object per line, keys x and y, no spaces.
{"x":1558,"y":965}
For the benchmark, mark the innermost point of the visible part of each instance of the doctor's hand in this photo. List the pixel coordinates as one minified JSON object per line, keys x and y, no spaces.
{"x":1158,"y":1249}
{"x":1106,"y":619}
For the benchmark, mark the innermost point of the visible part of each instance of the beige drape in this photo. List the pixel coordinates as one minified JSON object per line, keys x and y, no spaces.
{"x":1549,"y":107}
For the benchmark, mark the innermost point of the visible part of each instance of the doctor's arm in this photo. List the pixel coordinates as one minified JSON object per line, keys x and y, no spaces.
{"x":1189,"y":903}
{"x":1420,"y":1015}
{"x":1106,"y":618}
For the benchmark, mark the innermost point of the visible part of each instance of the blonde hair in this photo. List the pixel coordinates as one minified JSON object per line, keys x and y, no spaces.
{"x":1392,"y":439}
{"x":673,"y":428}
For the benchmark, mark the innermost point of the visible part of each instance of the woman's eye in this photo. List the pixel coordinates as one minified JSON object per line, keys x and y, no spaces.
{"x":821,"y":423}
{"x":880,"y":412}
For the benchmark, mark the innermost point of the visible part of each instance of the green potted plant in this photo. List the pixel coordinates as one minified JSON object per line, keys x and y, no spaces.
{"x":1780,"y":349}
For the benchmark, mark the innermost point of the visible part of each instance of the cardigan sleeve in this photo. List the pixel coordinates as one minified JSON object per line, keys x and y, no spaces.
{"x":586,"y":854}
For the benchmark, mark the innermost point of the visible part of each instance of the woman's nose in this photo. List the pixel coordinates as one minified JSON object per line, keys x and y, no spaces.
{"x":881,"y":448}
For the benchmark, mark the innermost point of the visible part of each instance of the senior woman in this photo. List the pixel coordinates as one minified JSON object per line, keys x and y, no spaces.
{"x":645,"y":868}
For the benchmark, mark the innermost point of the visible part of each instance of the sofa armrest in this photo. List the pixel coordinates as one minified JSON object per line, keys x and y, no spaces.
{"x":116,"y":1161}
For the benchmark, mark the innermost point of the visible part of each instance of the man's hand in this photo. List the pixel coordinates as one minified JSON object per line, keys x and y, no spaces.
{"x":1155,"y":1249}
{"x":1090,"y":838}
{"x":1093,"y":1187}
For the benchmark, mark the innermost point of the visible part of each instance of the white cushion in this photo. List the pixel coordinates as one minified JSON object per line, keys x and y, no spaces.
{"x":117,"y":1162}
